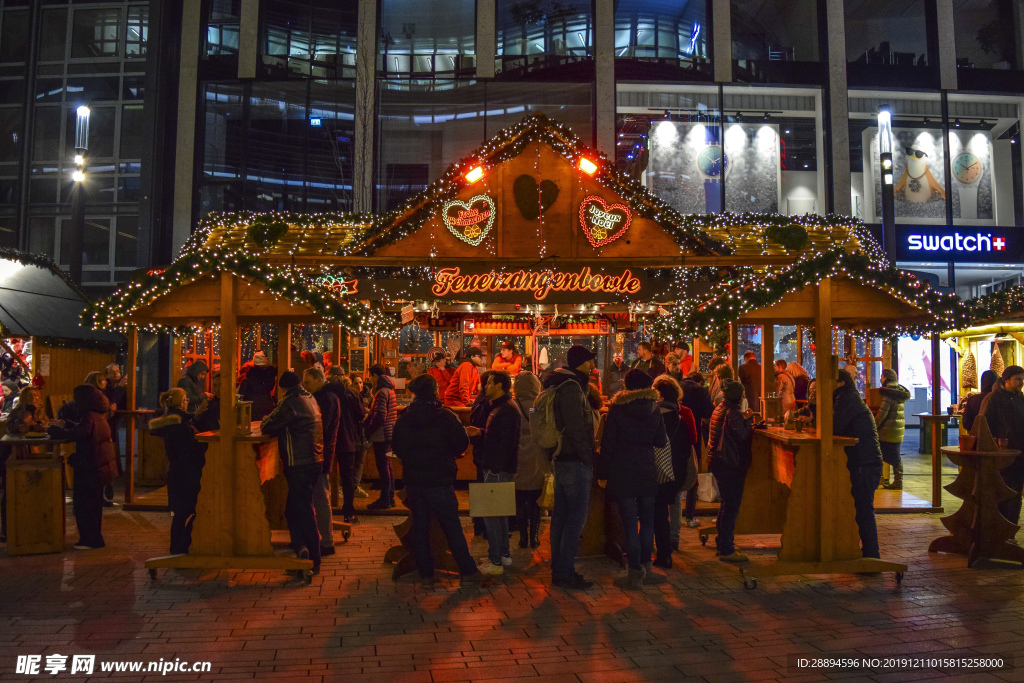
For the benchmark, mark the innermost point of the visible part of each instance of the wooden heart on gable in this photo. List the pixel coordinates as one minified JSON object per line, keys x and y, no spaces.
{"x":602,"y":222}
{"x":470,"y":221}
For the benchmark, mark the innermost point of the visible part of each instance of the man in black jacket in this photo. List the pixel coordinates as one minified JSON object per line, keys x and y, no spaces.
{"x":350,"y":445}
{"x":574,"y":464}
{"x":852,"y":417}
{"x":315,"y":382}
{"x":646,"y":361}
{"x":1003,"y":409}
{"x":498,"y":457}
{"x":296,"y":424}
{"x":427,"y":438}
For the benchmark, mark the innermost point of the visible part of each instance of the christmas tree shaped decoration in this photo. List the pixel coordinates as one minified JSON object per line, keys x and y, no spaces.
{"x":997,"y":366}
{"x":969,"y":373}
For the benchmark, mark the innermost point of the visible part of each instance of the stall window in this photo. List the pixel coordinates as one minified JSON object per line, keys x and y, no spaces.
{"x":919,"y":157}
{"x":542,"y":35}
{"x":775,"y":41}
{"x":427,"y":40}
{"x":650,"y":37}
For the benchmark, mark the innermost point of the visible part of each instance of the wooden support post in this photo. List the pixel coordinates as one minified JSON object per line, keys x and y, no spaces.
{"x":800,"y":344}
{"x":131,"y":373}
{"x":734,"y":346}
{"x":284,"y":348}
{"x":225,"y":456}
{"x":334,"y":474}
{"x":936,"y":426}
{"x":175,"y":361}
{"x":767,"y":362}
{"x":830,"y":464}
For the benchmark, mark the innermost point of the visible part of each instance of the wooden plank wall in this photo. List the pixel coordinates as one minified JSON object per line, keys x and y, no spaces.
{"x":68,"y":367}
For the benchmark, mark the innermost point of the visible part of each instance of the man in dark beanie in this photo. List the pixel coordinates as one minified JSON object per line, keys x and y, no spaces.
{"x":296,"y":424}
{"x":728,"y":459}
{"x":852,"y":417}
{"x":574,"y":464}
{"x":1003,"y":409}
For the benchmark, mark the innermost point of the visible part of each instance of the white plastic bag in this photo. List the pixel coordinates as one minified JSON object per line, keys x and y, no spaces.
{"x":707,"y":488}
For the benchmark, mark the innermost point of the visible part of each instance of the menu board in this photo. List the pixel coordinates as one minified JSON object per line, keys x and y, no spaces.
{"x":357,"y":360}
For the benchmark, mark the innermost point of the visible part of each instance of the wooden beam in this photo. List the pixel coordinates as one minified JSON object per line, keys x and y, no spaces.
{"x":131,"y":377}
{"x":824,"y":365}
{"x":667,"y":261}
{"x":224,"y":456}
{"x":284,"y":347}
{"x":734,"y":347}
{"x":936,"y":427}
{"x":767,"y":362}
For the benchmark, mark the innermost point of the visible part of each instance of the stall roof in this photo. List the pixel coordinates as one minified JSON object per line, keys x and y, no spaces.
{"x":994,"y":313}
{"x":37,"y":299}
{"x":278,"y":236}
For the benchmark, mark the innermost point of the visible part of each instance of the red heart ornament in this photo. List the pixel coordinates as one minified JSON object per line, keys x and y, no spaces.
{"x":603,"y":223}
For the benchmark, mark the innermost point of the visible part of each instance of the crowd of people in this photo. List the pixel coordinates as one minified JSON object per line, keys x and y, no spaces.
{"x":534,"y":431}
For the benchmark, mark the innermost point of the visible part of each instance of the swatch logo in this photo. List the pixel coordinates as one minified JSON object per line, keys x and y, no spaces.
{"x":956,"y":242}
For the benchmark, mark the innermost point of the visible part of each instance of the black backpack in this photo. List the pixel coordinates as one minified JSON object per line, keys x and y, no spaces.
{"x":800,"y":385}
{"x":737,"y":436}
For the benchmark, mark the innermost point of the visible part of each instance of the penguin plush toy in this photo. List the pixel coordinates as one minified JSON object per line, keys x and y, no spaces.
{"x":917,"y":184}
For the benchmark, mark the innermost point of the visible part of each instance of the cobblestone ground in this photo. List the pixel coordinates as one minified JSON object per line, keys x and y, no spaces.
{"x":354,"y":623}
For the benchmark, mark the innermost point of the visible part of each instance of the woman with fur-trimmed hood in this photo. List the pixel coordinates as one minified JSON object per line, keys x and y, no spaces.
{"x":633,"y":429}
{"x":185,"y":460}
{"x":891,"y":425}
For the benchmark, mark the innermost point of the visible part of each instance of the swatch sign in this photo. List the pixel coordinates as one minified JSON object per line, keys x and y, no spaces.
{"x":968,"y":244}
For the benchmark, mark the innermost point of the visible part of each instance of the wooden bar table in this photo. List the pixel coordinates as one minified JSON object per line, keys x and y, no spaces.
{"x":978,"y":530}
{"x":235,"y":536}
{"x":933,"y":422}
{"x":35,"y":495}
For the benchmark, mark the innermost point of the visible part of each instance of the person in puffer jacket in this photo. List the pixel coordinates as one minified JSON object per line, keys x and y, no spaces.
{"x":634,"y":428}
{"x":378,"y":426}
{"x":186,"y":458}
{"x":852,"y":417}
{"x":94,"y":462}
{"x":296,"y":424}
{"x":891,"y":425}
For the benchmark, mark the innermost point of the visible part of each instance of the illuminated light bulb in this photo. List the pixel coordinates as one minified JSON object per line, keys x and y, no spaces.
{"x":78,"y":176}
{"x":474,"y":174}
{"x":587,"y":166}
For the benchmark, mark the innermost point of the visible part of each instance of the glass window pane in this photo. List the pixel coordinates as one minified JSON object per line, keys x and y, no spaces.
{"x":427,"y":38}
{"x":537,"y":35}
{"x":10,"y":135}
{"x":766,"y":35}
{"x":128,"y":189}
{"x":663,"y":33}
{"x":331,"y":147}
{"x":13,"y":35}
{"x":96,"y":242}
{"x":43,"y":190}
{"x":53,"y":35}
{"x":9,"y":188}
{"x":8,"y":232}
{"x":887,"y":43}
{"x":276,"y":145}
{"x":222,"y":27}
{"x":422,"y":132}
{"x":93,"y":89}
{"x":132,"y":119}
{"x":12,"y":91}
{"x":41,"y":236}
{"x":138,"y":31}
{"x":568,"y":103}
{"x":126,"y":242}
{"x":223,"y":133}
{"x":46,"y":134}
{"x":985,"y":34}
{"x":94,"y":33}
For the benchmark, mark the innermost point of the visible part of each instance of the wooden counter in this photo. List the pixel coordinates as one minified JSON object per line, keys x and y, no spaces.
{"x":35,"y":496}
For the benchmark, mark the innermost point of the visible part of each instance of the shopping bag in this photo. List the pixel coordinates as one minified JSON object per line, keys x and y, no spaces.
{"x":663,"y":460}
{"x":547,"y":494}
{"x":492,"y":499}
{"x":707,"y":488}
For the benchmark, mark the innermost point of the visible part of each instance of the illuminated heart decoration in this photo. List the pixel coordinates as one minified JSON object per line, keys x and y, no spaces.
{"x":470,"y":221}
{"x":602,"y":222}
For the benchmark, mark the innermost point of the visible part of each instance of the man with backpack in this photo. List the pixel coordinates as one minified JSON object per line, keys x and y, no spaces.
{"x":565,"y":424}
{"x":729,"y":459}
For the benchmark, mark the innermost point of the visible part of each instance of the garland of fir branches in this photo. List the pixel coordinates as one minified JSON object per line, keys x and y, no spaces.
{"x":995,"y":305}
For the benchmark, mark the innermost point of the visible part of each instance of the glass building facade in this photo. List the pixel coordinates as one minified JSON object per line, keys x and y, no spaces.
{"x":328,"y":106}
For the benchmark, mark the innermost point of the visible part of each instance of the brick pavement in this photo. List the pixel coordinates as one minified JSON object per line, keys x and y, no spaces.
{"x":354,"y":624}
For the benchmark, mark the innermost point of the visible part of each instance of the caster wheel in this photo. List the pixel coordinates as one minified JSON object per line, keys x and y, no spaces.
{"x":899,"y":578}
{"x":307,"y":577}
{"x":345,"y":535}
{"x":749,"y":582}
{"x":152,"y":575}
{"x":703,"y":539}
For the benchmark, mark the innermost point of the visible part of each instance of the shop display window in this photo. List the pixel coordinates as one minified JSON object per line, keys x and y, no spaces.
{"x":427,"y":40}
{"x":660,"y":38}
{"x":676,"y":141}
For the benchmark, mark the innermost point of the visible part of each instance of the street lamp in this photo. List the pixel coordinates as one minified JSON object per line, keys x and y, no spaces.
{"x":885,"y":158}
{"x":78,"y":194}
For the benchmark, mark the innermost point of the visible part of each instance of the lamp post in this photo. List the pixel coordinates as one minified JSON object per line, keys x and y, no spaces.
{"x":885,"y":158}
{"x":78,"y":195}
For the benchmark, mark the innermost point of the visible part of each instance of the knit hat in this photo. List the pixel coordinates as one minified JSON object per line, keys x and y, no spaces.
{"x":889,"y":375}
{"x":578,"y":355}
{"x":637,"y":379}
{"x":732,"y":390}
{"x":288,"y":380}
{"x":259,"y":358}
{"x":1012,"y":371}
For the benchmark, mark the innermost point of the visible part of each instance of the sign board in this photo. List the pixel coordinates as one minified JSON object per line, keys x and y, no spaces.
{"x":357,"y":360}
{"x":408,"y":314}
{"x":450,"y":283}
{"x":44,"y":365}
{"x":959,"y":243}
